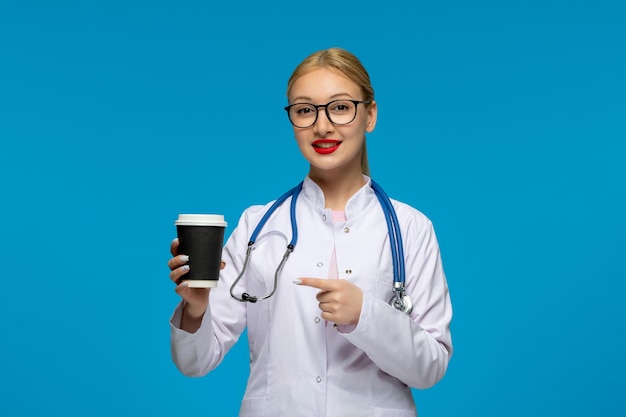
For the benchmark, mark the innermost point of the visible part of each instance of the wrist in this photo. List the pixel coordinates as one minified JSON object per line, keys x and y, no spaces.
{"x":193,"y":312}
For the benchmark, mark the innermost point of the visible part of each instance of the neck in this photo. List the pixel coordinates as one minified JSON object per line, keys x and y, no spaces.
{"x":338,"y":187}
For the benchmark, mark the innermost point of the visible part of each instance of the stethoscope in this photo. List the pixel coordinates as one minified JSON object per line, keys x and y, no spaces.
{"x":400,"y":300}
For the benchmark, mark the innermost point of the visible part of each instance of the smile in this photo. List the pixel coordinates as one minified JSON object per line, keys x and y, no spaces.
{"x":326,"y":146}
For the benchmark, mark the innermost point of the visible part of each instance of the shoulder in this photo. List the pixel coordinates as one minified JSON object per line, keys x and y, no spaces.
{"x":256,"y":210}
{"x":416,"y":227}
{"x":254,"y":214}
{"x":411,"y":215}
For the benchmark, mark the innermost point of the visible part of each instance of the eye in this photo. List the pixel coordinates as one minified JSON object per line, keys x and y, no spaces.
{"x":340,"y":107}
{"x":303,"y":110}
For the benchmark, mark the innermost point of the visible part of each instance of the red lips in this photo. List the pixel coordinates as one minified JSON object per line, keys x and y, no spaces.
{"x":326,"y":146}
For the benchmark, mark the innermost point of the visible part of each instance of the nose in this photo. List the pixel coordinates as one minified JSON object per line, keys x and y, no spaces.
{"x":323,"y":126}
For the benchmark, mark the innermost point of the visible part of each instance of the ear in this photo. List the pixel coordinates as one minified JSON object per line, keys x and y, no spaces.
{"x":372,"y":114}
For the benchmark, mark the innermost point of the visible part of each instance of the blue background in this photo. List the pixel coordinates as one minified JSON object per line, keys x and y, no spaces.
{"x":504,"y":122}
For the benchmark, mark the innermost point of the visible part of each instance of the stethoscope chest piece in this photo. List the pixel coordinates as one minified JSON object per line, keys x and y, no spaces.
{"x":402,"y":303}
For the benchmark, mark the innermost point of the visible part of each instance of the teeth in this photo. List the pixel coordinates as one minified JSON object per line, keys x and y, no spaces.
{"x":325,"y":145}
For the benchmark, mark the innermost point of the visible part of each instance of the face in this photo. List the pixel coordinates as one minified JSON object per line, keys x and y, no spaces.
{"x":329,"y":147}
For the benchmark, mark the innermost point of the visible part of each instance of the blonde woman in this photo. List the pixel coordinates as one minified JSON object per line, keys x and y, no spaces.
{"x":325,"y":341}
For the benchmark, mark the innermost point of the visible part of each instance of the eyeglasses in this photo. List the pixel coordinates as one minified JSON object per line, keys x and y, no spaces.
{"x":339,"y":112}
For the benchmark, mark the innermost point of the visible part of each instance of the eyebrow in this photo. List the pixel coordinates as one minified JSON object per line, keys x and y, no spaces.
{"x":334,"y":96}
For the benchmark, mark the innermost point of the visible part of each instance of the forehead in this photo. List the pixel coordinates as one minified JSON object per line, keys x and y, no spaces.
{"x":323,"y":84}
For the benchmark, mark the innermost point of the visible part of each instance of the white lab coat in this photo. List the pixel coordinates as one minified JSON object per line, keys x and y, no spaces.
{"x":299,"y":364}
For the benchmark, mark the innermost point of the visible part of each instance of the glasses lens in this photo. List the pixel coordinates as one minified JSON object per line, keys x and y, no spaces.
{"x":302,"y":115}
{"x":341,"y":112}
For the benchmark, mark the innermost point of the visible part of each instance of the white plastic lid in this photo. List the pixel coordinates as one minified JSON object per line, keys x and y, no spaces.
{"x":201,"y":220}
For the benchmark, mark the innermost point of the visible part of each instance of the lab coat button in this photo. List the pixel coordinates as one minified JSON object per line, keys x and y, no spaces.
{"x":348,"y":271}
{"x":324,"y":217}
{"x":320,"y":264}
{"x":346,"y":230}
{"x":317,"y":319}
{"x":318,"y":379}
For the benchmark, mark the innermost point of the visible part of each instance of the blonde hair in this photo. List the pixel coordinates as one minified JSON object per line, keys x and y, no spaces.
{"x":350,"y":66}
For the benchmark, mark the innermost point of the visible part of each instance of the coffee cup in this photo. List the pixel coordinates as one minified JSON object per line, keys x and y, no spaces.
{"x":201,"y":237}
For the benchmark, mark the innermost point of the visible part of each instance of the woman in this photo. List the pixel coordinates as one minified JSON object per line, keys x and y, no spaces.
{"x":327,"y":342}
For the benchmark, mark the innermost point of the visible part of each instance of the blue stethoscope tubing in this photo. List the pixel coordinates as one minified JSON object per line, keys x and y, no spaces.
{"x":400,"y":300}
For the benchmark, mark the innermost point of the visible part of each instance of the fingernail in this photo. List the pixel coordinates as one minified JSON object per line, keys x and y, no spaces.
{"x":297,"y":281}
{"x":184,"y":284}
{"x":184,"y":258}
{"x":185,"y":267}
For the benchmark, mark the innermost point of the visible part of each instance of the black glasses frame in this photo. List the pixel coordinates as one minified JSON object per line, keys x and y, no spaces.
{"x":325,"y":106}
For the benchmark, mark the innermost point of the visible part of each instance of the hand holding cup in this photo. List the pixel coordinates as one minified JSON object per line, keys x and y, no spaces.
{"x":201,"y":237}
{"x":197,"y":298}
{"x":196,"y":262}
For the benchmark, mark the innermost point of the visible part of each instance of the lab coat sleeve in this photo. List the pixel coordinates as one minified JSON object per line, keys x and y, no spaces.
{"x":414,"y":348}
{"x":196,"y":354}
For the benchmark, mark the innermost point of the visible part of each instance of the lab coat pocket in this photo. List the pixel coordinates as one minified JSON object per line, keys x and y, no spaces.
{"x":387,"y":412}
{"x":384,"y":289}
{"x":252,"y":407}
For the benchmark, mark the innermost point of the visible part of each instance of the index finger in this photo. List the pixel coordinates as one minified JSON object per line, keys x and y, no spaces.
{"x":319,"y":283}
{"x":174,"y":247}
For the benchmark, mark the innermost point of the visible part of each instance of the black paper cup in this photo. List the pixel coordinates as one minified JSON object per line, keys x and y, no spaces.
{"x":201,"y":237}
